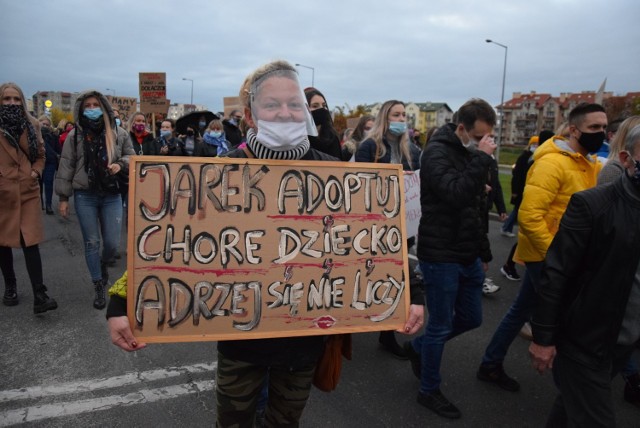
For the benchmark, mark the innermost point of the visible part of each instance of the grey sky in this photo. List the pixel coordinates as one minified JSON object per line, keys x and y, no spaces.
{"x":362,"y":51}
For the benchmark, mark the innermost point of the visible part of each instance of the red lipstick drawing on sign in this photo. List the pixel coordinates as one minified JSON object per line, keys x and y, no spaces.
{"x":370,"y":265}
{"x":328,"y":222}
{"x":288,"y":273}
{"x":327,"y":266}
{"x":324,"y":322}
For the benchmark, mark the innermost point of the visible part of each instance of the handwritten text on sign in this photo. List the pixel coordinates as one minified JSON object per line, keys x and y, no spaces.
{"x":232,"y":249}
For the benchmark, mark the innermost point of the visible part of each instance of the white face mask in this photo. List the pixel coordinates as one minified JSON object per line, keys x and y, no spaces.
{"x":533,"y":148}
{"x":281,"y":136}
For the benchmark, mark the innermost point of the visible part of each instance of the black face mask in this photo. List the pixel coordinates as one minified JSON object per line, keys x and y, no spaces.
{"x":189,"y":133}
{"x":321,"y":116}
{"x":592,"y":141}
{"x":635,"y":178}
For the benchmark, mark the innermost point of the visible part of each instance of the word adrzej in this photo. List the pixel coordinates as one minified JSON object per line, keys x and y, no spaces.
{"x":213,"y":300}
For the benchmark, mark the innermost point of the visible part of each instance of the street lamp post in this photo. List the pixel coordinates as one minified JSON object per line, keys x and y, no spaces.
{"x":504,"y":76}
{"x":190,"y":80}
{"x":313,"y":73}
{"x":112,"y":90}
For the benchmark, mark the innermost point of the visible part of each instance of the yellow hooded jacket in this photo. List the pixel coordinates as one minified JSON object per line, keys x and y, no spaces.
{"x":556,"y":174}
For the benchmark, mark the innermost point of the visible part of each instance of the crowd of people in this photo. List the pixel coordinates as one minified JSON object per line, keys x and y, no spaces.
{"x":577,"y":236}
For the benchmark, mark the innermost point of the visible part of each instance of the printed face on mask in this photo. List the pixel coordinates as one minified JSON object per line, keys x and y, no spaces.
{"x":279,"y":99}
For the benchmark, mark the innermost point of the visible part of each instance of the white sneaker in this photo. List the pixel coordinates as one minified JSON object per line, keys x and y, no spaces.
{"x":488,"y":287}
{"x":508,"y":234}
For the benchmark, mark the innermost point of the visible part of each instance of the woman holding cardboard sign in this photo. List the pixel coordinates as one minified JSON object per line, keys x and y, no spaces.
{"x":279,"y":120}
{"x":388,"y":142}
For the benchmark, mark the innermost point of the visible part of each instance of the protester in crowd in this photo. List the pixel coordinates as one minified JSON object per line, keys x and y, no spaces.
{"x":191,"y":140}
{"x":279,"y":124}
{"x":560,"y":168}
{"x":22,"y":159}
{"x":60,"y":129}
{"x":610,"y":173}
{"x":116,"y":116}
{"x":52,"y":157}
{"x":95,"y":154}
{"x":142,"y":141}
{"x":585,"y":322}
{"x":169,"y":144}
{"x":360,"y":132}
{"x":327,"y":140}
{"x":613,"y":169}
{"x":518,"y":180}
{"x":388,"y":142}
{"x":63,"y":135}
{"x":214,"y":141}
{"x":232,"y":129}
{"x":453,"y":247}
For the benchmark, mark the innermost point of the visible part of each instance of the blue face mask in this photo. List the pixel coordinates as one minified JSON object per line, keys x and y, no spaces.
{"x":118,"y":121}
{"x":215,"y":134}
{"x":398,"y":128}
{"x":93,"y":113}
{"x":165,"y":133}
{"x":202,"y":124}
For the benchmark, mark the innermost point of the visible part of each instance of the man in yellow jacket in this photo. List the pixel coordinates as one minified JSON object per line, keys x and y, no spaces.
{"x":561,"y":167}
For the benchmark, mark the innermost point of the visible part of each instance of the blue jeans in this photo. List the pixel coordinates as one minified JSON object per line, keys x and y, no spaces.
{"x":511,"y":221}
{"x":519,"y":313}
{"x":98,"y":215}
{"x":454,"y":301}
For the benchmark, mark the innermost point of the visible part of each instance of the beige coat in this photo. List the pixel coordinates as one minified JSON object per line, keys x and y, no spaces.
{"x":20,"y":205}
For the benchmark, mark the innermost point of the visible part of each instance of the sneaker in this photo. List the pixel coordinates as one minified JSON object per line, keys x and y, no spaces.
{"x":414,"y":357}
{"x":438,"y":403}
{"x":488,"y":287}
{"x":525,"y":332}
{"x":510,"y":272}
{"x":495,"y":374}
{"x":508,"y":234}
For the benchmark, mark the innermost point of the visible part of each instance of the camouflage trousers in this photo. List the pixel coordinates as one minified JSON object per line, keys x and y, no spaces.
{"x":239,"y":385}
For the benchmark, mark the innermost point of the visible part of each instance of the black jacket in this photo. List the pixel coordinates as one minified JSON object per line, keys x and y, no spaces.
{"x":452,"y":195}
{"x":232,"y":133}
{"x":367,"y":153}
{"x":588,"y":273}
{"x":519,"y":176}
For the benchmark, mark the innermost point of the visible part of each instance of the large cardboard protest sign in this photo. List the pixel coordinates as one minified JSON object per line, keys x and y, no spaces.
{"x":153,"y":93}
{"x":125,"y":105}
{"x":225,"y":249}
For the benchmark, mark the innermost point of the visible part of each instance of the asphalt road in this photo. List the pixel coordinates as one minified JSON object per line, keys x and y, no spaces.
{"x":60,"y":369}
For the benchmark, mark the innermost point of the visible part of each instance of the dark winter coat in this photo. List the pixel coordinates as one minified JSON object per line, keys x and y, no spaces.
{"x":452,"y":195}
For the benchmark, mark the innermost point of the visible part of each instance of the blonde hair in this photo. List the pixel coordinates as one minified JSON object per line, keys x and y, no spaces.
{"x":259,"y":73}
{"x":380,"y":128}
{"x":215,"y":122}
{"x":563,"y":130}
{"x":617,"y":144}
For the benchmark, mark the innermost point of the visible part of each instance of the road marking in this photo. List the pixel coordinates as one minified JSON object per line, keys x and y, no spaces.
{"x":47,"y":411}
{"x":104,"y":383}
